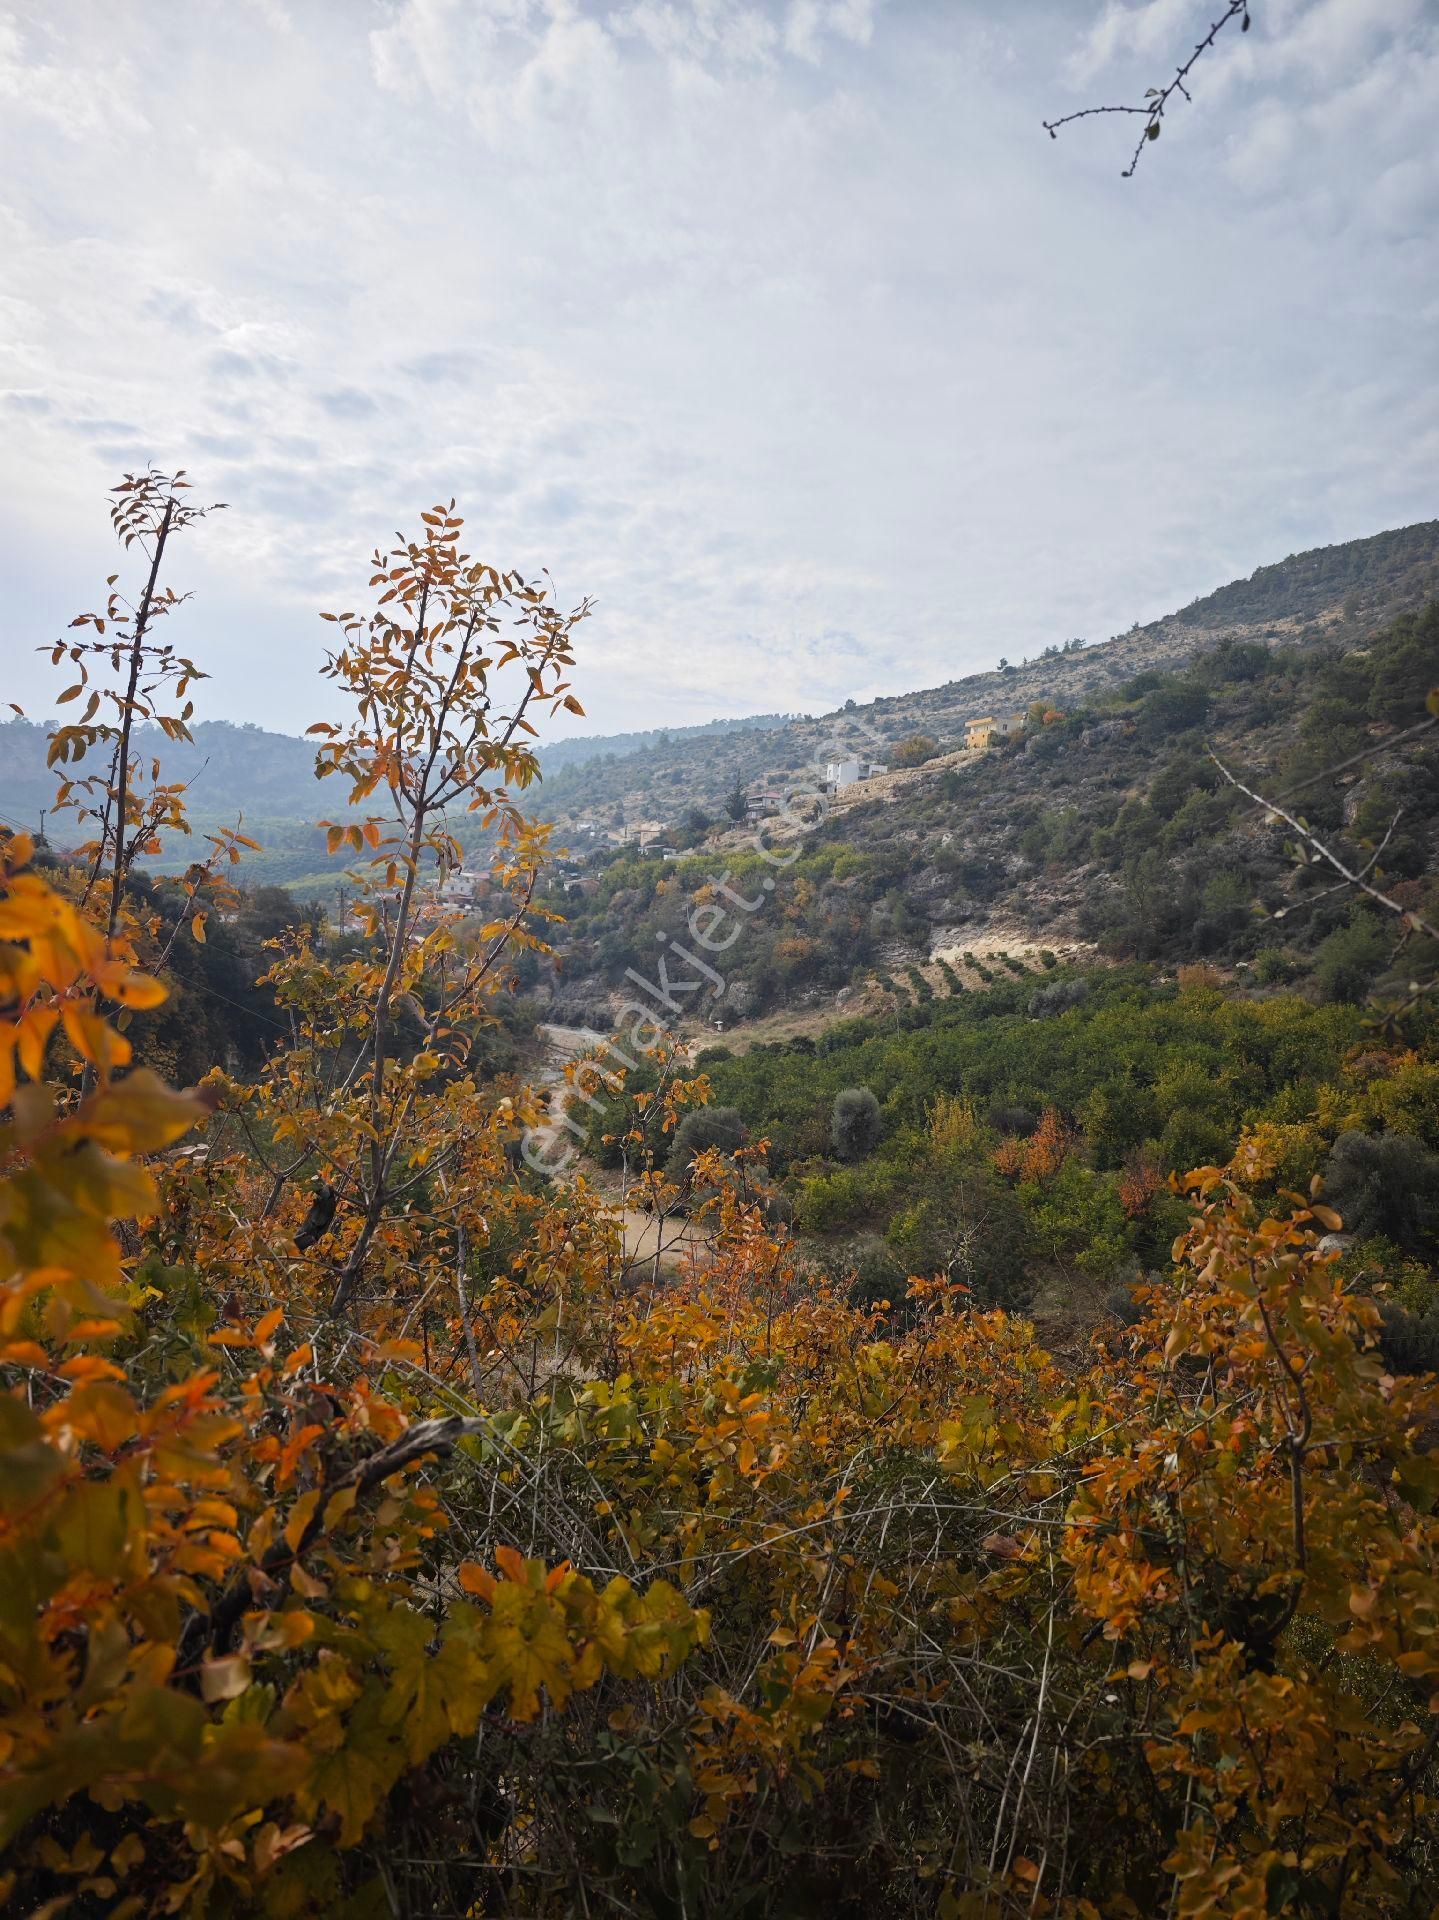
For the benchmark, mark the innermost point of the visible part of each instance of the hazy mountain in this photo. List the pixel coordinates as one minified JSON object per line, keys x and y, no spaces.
{"x":1341,"y":593}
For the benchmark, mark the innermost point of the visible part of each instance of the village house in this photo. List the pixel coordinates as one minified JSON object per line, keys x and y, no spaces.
{"x":463,"y":887}
{"x":844,"y":773}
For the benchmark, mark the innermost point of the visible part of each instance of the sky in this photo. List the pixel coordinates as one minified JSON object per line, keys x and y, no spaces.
{"x":780,"y":328}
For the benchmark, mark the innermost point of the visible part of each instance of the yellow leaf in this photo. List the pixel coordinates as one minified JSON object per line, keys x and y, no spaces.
{"x":528,"y":1648}
{"x":301,"y":1515}
{"x":224,"y":1678}
{"x":102,"y":1412}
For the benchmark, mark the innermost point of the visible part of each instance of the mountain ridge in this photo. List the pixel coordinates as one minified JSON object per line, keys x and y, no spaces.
{"x":1342,"y":592}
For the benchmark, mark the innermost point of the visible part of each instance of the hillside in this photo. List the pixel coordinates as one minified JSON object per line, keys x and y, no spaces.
{"x":1338,"y":595}
{"x":1004,"y":1355}
{"x":1103,"y":830}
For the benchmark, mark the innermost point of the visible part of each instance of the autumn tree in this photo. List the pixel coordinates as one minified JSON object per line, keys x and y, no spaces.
{"x":443,"y":675}
{"x":128,"y":677}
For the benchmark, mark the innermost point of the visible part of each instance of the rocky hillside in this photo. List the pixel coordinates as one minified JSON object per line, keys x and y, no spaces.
{"x":1340,"y":595}
{"x":1100,"y":827}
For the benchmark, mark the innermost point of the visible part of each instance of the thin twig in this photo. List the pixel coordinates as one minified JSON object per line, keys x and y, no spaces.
{"x":1158,"y":98}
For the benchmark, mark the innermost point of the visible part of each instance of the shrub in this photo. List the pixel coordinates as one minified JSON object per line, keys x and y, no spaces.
{"x":831,"y":1202}
{"x":1193,"y":1139}
{"x":1377,"y":1263}
{"x":1351,"y":959}
{"x":1198,"y":974}
{"x":1120,"y":1301}
{"x":971,"y":1228}
{"x":1384,"y":1183}
{"x":1058,"y":997}
{"x":1273,"y":965}
{"x":922,"y":989}
{"x":875,"y":1273}
{"x":701,"y":1130}
{"x":855,"y":1124}
{"x":915,"y":751}
{"x":1409,"y":1342}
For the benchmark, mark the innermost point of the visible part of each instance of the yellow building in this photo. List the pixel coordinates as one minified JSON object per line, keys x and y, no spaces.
{"x":980,"y":733}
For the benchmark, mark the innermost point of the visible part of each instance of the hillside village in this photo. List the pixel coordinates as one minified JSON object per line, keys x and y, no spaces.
{"x":959,"y":850}
{"x":1340,"y":592}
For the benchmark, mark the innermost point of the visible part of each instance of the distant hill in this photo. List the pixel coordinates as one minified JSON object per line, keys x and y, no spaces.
{"x":1340,"y":594}
{"x":585,"y":747}
{"x":229,"y":770}
{"x":1375,"y":577}
{"x":233,"y":773}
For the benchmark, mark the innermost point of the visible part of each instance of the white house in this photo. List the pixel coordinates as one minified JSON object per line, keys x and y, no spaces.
{"x":463,"y":886}
{"x":844,"y":773}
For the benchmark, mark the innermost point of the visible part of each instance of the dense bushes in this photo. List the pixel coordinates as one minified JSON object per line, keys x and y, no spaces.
{"x":1077,"y":1113}
{"x":1058,"y":997}
{"x":1133,"y":1057}
{"x":1350,"y":959}
{"x":448,"y":1565}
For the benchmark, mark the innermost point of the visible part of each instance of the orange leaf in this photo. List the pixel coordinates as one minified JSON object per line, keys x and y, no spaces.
{"x":477,"y":1579}
{"x":510,"y":1563}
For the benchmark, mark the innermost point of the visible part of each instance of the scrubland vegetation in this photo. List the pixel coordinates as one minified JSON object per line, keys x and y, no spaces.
{"x":374,"y":1539}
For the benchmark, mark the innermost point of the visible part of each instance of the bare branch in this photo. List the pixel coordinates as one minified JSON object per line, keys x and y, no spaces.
{"x":1157,"y":99}
{"x":1411,"y":919}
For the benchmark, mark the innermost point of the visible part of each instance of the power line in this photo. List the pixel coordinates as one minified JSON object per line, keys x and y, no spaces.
{"x":200,"y":986}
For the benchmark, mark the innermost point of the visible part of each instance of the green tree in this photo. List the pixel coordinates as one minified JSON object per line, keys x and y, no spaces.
{"x":1351,"y":959}
{"x":1384,"y":1183}
{"x":705,"y":1129}
{"x":855,"y":1123}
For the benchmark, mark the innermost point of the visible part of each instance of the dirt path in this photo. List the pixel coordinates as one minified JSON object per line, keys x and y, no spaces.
{"x":657,"y":1243}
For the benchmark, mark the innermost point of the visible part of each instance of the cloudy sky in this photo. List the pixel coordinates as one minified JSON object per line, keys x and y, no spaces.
{"x":778,"y":326}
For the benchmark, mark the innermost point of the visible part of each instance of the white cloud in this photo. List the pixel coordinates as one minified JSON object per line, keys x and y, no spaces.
{"x":1150,"y":27}
{"x":1329,"y":40}
{"x":76,"y":96}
